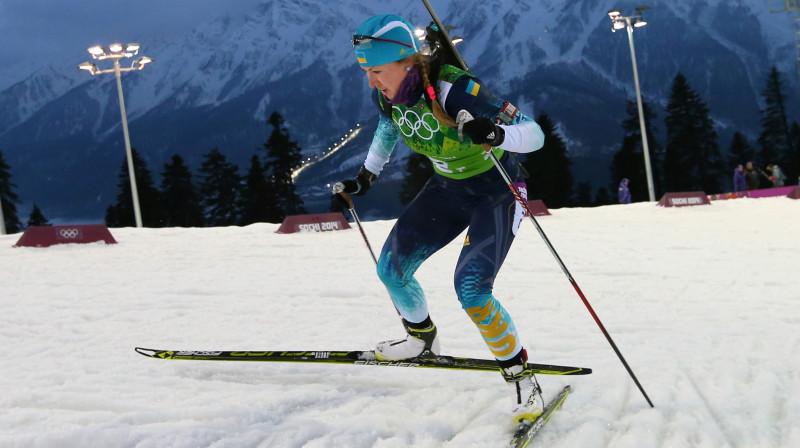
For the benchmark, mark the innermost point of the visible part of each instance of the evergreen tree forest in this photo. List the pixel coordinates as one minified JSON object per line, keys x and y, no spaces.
{"x":220,"y":196}
{"x":685,"y":156}
{"x":8,"y":199}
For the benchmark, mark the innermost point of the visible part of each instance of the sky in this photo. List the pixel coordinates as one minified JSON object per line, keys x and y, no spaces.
{"x":47,"y":27}
{"x":702,"y":302}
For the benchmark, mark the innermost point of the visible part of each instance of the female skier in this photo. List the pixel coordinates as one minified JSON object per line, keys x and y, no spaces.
{"x":417,"y":98}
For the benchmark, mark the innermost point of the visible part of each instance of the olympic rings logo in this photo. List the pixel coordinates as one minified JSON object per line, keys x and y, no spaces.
{"x":411,"y":123}
{"x":69,"y":233}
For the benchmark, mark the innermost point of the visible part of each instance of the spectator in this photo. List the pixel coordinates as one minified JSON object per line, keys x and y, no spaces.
{"x":624,"y":194}
{"x":739,"y":179}
{"x":776,"y":175}
{"x":751,"y":175}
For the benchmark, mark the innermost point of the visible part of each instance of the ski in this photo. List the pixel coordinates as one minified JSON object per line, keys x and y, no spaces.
{"x":356,"y":357}
{"x":527,"y":430}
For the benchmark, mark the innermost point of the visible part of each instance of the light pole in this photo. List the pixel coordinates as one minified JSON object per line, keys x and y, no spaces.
{"x":619,"y":22}
{"x":117,"y":52}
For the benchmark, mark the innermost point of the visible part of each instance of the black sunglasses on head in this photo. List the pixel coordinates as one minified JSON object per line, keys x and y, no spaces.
{"x":359,"y":39}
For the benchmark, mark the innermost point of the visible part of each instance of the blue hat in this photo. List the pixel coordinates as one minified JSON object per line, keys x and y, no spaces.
{"x":384,"y":39}
{"x":625,"y":179}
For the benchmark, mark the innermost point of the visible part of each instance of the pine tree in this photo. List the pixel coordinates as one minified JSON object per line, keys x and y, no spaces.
{"x":583,"y":194}
{"x":283,"y":156}
{"x":602,"y":197}
{"x":794,"y":159}
{"x":775,"y":140}
{"x":179,"y":196}
{"x":628,"y":162}
{"x":418,"y":170}
{"x":121,"y":214}
{"x":692,"y":160}
{"x":8,"y":198}
{"x":550,"y":176}
{"x":37,"y":218}
{"x":219,"y":190}
{"x":740,"y":151}
{"x":258,"y":197}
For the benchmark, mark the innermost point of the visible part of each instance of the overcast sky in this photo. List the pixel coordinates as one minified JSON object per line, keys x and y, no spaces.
{"x":46,"y":28}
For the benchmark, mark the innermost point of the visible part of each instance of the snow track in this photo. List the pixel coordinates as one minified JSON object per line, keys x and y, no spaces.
{"x":702,"y":302}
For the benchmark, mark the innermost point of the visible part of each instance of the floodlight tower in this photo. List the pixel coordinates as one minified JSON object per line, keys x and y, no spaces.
{"x":117,"y":52}
{"x":619,"y":22}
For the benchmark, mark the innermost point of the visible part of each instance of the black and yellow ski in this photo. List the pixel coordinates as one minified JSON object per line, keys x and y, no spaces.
{"x":527,"y":430}
{"x":355,"y":357}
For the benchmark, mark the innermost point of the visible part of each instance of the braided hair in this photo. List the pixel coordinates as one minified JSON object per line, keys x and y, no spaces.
{"x":423,"y":62}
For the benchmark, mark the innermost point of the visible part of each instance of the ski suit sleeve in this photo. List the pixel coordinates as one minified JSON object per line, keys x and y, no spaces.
{"x":383,"y":143}
{"x":523,"y":134}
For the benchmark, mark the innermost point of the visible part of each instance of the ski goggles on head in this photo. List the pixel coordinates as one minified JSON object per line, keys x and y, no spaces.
{"x":359,"y":39}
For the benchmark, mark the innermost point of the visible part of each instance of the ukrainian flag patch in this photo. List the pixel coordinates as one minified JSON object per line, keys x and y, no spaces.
{"x":473,"y":88}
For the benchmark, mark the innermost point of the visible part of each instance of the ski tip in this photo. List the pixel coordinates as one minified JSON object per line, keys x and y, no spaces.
{"x":146,"y":351}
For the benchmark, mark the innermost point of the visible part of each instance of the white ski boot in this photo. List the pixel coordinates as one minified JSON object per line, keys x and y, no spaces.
{"x":526,"y":394}
{"x":421,"y":341}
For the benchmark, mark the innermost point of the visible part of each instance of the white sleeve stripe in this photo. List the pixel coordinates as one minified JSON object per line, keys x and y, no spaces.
{"x":524,"y":137}
{"x":374,"y":163}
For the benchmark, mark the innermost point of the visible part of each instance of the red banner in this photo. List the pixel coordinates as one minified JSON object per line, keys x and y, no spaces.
{"x":45,"y":236}
{"x":320,"y":222}
{"x":684,"y":199}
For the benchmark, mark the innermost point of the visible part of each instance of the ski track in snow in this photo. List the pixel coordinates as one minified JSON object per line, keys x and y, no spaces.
{"x":701,"y":301}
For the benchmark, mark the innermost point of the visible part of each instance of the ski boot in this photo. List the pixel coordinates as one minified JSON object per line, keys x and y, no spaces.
{"x":420,"y":342}
{"x":526,"y":394}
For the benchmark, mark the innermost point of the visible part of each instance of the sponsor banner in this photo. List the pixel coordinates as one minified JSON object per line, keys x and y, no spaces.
{"x":731,"y":195}
{"x":791,"y":191}
{"x":320,"y":222}
{"x":771,"y":192}
{"x":684,"y":199}
{"x":45,"y":236}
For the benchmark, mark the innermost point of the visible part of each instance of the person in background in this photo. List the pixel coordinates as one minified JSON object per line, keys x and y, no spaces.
{"x":623,"y":193}
{"x":776,"y":175}
{"x":751,"y":175}
{"x":739,"y":179}
{"x":417,"y":97}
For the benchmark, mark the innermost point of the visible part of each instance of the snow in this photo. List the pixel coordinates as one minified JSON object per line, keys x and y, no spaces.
{"x":702,"y":301}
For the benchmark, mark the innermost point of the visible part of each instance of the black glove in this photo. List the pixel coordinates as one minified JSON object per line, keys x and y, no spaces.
{"x":482,"y":130}
{"x":357,"y":186}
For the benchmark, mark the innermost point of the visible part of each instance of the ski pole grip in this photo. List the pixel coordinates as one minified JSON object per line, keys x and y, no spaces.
{"x":347,"y":199}
{"x":463,"y":117}
{"x":338,"y":189}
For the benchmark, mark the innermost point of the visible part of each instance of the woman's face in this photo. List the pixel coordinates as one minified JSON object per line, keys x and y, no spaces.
{"x":387,"y":77}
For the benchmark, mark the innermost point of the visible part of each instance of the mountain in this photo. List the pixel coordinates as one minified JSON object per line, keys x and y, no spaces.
{"x":215,"y":85}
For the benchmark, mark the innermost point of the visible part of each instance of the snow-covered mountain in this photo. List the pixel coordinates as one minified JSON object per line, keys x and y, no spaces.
{"x":215,"y":84}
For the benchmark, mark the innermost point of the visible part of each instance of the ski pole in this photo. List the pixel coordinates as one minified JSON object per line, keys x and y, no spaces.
{"x":337,"y":189}
{"x":463,"y":117}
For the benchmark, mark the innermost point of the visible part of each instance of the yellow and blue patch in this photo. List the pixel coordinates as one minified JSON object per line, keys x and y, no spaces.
{"x":473,"y":88}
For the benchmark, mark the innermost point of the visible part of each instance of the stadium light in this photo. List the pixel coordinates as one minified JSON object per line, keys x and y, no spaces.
{"x":618,"y":22}
{"x":116,"y":51}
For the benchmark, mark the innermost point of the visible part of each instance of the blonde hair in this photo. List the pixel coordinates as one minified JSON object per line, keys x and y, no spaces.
{"x":423,"y":62}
